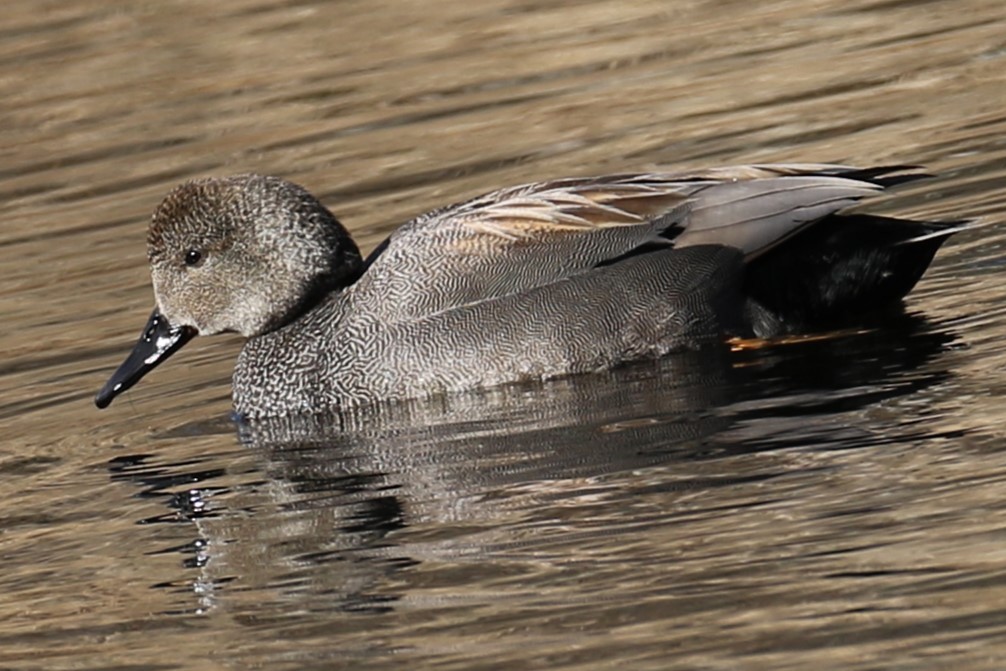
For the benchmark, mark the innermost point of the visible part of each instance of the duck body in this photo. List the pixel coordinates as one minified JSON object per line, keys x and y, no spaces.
{"x":343,"y":353}
{"x":527,"y":283}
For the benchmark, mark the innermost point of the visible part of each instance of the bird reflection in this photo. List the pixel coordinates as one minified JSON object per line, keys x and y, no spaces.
{"x":344,"y":503}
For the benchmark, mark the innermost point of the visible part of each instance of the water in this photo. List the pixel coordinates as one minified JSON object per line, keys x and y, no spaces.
{"x":830,"y":504}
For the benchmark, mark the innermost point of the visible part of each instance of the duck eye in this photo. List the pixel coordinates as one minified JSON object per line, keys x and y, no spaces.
{"x":193,"y":257}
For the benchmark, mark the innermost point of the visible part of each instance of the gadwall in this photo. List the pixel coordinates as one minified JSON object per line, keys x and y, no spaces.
{"x":526,"y":283}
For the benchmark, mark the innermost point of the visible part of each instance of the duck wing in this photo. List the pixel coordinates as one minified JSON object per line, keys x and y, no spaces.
{"x":514,"y":240}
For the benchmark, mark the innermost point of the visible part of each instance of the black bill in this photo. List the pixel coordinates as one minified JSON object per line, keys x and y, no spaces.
{"x":158,"y":341}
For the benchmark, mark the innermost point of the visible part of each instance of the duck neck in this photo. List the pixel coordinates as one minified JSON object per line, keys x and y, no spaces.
{"x":345,"y":268}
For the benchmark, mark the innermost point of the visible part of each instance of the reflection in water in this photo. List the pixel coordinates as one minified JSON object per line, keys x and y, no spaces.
{"x":346,"y":506}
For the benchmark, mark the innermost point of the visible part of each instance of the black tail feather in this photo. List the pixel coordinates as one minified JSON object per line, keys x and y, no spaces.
{"x":887,"y":176}
{"x":843,"y":267}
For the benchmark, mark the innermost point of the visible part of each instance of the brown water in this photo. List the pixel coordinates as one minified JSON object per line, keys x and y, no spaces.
{"x":827,"y":505}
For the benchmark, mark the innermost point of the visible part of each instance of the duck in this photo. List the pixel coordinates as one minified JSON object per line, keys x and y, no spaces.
{"x":542,"y":280}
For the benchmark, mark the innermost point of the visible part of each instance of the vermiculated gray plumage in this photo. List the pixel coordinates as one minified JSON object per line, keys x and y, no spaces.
{"x":530,"y":282}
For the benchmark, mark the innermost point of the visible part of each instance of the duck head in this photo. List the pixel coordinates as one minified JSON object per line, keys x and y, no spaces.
{"x":244,"y":254}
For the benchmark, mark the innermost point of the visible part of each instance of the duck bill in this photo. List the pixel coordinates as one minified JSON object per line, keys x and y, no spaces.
{"x":158,"y":341}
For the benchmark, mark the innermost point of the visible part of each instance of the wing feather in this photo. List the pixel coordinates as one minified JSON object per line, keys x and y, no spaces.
{"x":527,"y":236}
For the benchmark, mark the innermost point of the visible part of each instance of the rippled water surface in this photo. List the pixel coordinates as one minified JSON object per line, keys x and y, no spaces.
{"x":837,"y":503}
